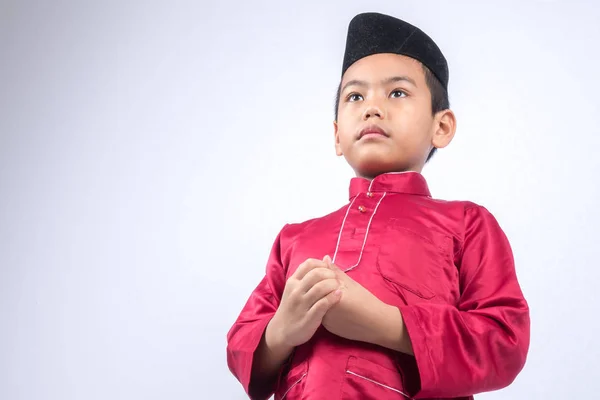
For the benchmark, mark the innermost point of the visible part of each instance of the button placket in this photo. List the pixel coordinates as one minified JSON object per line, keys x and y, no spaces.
{"x":357,"y":217}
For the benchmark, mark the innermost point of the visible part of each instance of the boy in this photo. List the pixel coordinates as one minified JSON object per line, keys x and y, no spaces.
{"x":419,"y":298}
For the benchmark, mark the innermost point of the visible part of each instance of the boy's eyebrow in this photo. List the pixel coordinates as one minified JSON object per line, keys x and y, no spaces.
{"x":357,"y":82}
{"x":399,"y":79}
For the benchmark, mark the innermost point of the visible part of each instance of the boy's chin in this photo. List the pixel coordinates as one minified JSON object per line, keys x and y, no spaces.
{"x":375,"y":167}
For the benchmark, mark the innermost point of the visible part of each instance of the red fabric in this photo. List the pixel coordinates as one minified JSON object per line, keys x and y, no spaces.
{"x":447,"y":266}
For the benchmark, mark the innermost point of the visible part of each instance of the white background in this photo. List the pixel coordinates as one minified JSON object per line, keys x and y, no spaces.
{"x":151,"y":151}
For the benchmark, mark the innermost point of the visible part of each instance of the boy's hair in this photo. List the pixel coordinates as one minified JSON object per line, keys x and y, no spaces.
{"x":439,"y":97}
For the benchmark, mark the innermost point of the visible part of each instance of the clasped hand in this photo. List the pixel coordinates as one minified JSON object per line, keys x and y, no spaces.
{"x":353,"y":316}
{"x":320,"y":293}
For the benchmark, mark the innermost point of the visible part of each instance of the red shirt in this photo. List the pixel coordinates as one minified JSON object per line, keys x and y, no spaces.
{"x":446,"y":265}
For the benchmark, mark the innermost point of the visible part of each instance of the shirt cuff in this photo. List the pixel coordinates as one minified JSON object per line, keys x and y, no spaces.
{"x":421,"y":349}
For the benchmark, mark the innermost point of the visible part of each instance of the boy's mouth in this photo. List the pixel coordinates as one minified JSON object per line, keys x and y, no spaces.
{"x":372,"y":131}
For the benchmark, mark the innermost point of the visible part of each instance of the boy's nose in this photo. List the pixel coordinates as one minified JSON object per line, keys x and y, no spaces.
{"x":372,"y":111}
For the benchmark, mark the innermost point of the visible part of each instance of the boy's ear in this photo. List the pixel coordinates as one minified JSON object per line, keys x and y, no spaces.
{"x":444,"y":129}
{"x":338,"y":147}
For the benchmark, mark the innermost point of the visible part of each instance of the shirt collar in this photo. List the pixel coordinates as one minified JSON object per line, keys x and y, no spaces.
{"x":393,"y":182}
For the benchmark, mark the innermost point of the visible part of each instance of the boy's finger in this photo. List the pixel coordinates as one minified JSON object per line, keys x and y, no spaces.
{"x":330,"y":264}
{"x":320,"y":290}
{"x":320,"y":308}
{"x":315,"y":276}
{"x":306,"y":267}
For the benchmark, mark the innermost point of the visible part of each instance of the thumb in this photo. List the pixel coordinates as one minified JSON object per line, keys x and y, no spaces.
{"x":334,"y":267}
{"x":330,"y":264}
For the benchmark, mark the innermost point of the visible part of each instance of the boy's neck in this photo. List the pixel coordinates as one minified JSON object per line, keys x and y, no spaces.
{"x":370,"y":178}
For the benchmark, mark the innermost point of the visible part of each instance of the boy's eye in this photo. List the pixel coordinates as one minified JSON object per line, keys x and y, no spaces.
{"x":354,"y":97}
{"x":398,"y":93}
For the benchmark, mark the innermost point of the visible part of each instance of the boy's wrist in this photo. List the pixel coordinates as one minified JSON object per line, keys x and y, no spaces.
{"x":275,"y":342}
{"x":392,"y":332}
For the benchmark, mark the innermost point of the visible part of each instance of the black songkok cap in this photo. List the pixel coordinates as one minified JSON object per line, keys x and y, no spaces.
{"x":374,"y":33}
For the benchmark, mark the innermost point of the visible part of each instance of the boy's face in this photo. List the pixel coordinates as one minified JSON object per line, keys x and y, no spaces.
{"x":385,"y":122}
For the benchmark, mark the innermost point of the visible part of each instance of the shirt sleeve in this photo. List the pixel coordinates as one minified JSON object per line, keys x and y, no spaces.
{"x":480,"y":344}
{"x":246,"y":333}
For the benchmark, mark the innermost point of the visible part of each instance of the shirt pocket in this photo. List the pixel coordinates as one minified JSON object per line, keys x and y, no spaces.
{"x":418,"y":264}
{"x":367,"y":380}
{"x":291,"y":384}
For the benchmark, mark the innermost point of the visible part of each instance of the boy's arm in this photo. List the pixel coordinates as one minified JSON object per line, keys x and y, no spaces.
{"x":268,"y":359}
{"x":481,"y":344}
{"x":253,"y":358}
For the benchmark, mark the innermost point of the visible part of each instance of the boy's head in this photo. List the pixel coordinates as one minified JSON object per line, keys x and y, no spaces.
{"x":392,"y":108}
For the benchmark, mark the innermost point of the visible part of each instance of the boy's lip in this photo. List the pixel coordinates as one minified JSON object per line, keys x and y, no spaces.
{"x":372,"y":129}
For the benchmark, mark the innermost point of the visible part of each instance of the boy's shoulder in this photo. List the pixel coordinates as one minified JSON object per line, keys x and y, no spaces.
{"x":463,"y":205}
{"x":466,"y":211}
{"x":298,"y":227}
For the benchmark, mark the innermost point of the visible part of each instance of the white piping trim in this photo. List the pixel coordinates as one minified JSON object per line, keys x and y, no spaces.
{"x":371,"y":185}
{"x":337,"y":246}
{"x":380,"y":384}
{"x":366,"y":234}
{"x":293,"y":384}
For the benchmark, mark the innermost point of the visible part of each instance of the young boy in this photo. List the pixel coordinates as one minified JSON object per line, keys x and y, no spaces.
{"x":419,"y":298}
